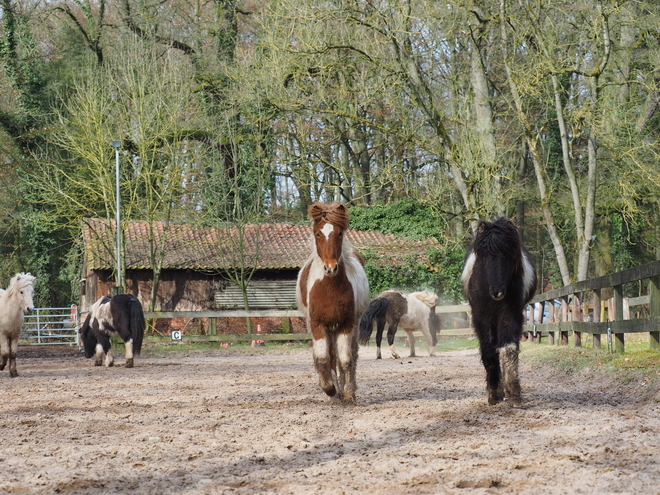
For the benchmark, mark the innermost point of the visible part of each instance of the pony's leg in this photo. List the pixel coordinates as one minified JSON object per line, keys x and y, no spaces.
{"x":13,"y":350}
{"x":109,"y":359}
{"x":323,"y":364}
{"x":429,"y":339}
{"x":411,"y":340}
{"x":510,"y":379}
{"x":129,"y":353}
{"x":347,"y":350}
{"x":380,"y":326}
{"x":4,"y":351}
{"x":103,"y":351}
{"x":491,"y":363}
{"x":391,"y":332}
{"x":99,"y":355}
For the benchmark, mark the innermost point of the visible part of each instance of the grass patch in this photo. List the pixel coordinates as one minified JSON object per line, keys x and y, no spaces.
{"x":636,"y":363}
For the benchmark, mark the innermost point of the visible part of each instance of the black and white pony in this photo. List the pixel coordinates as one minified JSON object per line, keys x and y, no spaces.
{"x":108,"y":317}
{"x":499,"y":279}
{"x":414,"y":311}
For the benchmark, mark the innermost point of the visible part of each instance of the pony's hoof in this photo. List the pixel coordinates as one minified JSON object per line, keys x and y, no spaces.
{"x":2,"y":367}
{"x":332,"y":391}
{"x":129,"y":363}
{"x":13,"y":374}
{"x":494,"y":397}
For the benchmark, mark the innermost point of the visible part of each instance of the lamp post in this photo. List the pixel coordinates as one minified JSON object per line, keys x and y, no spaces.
{"x":119,"y":288}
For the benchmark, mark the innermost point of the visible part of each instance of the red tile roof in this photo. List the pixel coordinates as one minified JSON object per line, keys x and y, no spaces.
{"x":275,"y":246}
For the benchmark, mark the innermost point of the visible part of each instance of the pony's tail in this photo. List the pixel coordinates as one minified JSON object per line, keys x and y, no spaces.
{"x":375,"y":310}
{"x":137,"y":325}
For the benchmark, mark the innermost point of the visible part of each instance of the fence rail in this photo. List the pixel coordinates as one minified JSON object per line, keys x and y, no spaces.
{"x":269,"y":313}
{"x":570,"y":312}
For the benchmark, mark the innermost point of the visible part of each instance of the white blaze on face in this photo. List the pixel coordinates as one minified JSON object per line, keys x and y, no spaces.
{"x":327,"y":230}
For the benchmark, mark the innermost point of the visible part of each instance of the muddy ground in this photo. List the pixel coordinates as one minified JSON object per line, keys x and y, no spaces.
{"x":255,"y":421}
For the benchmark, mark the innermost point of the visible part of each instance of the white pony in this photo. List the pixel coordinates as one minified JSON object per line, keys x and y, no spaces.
{"x":14,"y":303}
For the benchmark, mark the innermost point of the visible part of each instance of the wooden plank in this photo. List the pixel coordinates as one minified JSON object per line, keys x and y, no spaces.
{"x":456,"y":308}
{"x":153,"y":339}
{"x":639,"y":325}
{"x":634,"y":274}
{"x":228,"y":313}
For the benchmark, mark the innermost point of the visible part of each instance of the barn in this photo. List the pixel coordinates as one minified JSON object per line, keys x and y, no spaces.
{"x":195,"y":260}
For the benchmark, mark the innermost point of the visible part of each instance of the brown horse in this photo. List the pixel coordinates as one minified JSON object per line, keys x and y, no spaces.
{"x":332,"y":292}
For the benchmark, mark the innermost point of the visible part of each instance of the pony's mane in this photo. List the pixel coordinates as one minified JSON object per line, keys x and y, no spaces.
{"x":20,"y":281}
{"x":426,"y":296}
{"x":335,"y":214}
{"x":498,"y":238}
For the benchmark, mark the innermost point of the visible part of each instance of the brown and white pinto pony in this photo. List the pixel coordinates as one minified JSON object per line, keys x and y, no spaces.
{"x":499,"y":279}
{"x":332,"y":292}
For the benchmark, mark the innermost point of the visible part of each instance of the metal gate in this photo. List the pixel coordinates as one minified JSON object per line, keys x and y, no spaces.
{"x":51,"y":326}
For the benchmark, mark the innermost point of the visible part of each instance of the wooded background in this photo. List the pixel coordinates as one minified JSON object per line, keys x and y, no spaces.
{"x":422,"y":115}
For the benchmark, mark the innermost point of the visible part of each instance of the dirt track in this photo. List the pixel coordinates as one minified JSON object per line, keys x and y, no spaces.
{"x":256,"y":422}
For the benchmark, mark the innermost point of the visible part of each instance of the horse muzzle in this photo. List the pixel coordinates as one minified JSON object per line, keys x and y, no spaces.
{"x":497,"y":294}
{"x":331,"y":270}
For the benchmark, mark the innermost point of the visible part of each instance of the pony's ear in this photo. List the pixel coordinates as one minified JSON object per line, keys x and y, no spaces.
{"x":481,"y":228}
{"x":316,"y":211}
{"x":338,"y":207}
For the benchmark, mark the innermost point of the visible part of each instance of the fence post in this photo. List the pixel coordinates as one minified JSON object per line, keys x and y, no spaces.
{"x":578,"y":315}
{"x":654,"y":292}
{"x":563,"y":334}
{"x":596,"y":317}
{"x":551,"y":319}
{"x":619,"y":338}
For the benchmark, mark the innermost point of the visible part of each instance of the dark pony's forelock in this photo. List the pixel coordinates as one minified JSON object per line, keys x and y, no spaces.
{"x":497,"y":238}
{"x":335,"y":214}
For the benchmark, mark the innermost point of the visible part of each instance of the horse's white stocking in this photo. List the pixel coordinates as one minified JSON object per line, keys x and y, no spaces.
{"x":510,"y":380}
{"x":109,"y":359}
{"x":395,"y":355}
{"x":323,"y":365}
{"x":129,"y":353}
{"x":99,"y":355}
{"x":346,"y":352}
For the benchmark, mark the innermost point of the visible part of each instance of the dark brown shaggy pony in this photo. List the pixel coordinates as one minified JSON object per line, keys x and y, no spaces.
{"x":499,"y":279}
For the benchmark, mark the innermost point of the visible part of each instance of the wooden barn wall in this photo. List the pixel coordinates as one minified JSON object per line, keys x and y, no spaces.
{"x":187,"y":290}
{"x":262,"y":294}
{"x":178,"y":290}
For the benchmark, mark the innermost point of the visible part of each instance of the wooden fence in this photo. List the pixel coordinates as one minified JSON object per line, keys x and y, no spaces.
{"x":582,"y":309}
{"x":213,"y":336}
